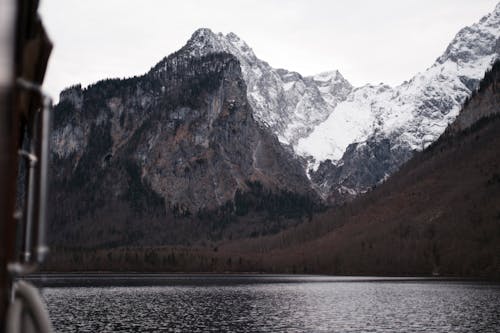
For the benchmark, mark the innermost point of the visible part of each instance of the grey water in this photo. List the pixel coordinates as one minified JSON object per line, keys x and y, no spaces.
{"x":262,"y":303}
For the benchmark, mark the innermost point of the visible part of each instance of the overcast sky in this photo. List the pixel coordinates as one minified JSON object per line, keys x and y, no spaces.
{"x":368,"y":41}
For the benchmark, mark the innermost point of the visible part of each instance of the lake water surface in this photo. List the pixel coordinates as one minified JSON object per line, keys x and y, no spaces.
{"x":263,"y":303}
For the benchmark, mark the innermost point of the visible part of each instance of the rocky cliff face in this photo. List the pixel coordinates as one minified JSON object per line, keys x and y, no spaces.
{"x":484,"y":103}
{"x":178,"y":140}
{"x":364,"y":165}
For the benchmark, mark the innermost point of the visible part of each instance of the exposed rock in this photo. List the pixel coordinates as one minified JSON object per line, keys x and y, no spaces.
{"x":485,"y":102}
{"x":364,"y":166}
{"x":179,"y":139}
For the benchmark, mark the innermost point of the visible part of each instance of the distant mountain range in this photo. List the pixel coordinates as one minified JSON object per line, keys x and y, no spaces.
{"x":439,"y":215}
{"x":354,"y":138}
{"x":377,"y":128}
{"x":212,"y":133}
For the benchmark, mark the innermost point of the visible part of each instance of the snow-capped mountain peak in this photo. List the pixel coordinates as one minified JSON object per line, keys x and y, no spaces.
{"x":203,"y":41}
{"x":408,"y":117}
{"x":239,"y":47}
{"x":328,"y":76}
{"x":367,"y":132}
{"x":333,"y":86}
{"x":474,"y":42}
{"x":286,"y":102}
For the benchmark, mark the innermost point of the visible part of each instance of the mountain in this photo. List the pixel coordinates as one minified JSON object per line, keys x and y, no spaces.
{"x":439,"y":214}
{"x":378,"y":127}
{"x":354,"y":138}
{"x":212,"y":133}
{"x":289,"y":104}
{"x":178,"y":143}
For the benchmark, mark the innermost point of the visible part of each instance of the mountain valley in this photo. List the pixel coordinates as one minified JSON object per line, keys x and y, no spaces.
{"x":215,"y":161}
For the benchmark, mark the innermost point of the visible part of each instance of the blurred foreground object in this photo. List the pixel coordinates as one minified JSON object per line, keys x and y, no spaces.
{"x":24,"y":134}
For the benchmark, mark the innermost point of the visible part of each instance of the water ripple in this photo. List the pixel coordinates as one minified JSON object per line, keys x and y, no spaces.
{"x":279,"y":307}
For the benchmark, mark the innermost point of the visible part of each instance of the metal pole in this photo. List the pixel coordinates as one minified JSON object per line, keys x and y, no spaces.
{"x":31,"y":194}
{"x":41,"y":247}
{"x":38,"y":182}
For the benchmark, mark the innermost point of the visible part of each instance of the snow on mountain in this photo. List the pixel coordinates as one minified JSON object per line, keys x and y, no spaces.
{"x":353,"y":119}
{"x":332,"y":86}
{"x":415,"y":113}
{"x":355,"y":138}
{"x":288,"y":103}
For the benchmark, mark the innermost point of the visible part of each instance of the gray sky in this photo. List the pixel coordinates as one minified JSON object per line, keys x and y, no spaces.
{"x":368,"y":41}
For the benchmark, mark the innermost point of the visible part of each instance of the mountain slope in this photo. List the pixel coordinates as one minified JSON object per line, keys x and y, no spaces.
{"x":407,"y":118}
{"x":179,"y":141}
{"x":439,"y":214}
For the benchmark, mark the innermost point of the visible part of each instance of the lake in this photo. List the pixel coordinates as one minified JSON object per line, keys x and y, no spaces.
{"x":268,"y":303}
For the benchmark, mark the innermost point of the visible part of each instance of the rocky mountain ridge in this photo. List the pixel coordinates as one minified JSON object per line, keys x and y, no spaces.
{"x":177,"y":142}
{"x":437,"y":215}
{"x":354,"y":138}
{"x":484,"y":102}
{"x":289,"y":104}
{"x":378,"y":127}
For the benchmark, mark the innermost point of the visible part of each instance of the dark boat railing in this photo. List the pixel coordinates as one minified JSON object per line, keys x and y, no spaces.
{"x":35,"y":212}
{"x":24,"y":122}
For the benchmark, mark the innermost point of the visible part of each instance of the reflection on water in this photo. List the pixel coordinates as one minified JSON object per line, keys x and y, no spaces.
{"x":285,"y":304}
